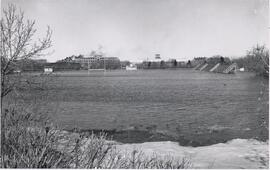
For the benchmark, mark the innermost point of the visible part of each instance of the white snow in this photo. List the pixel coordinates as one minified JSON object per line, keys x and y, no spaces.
{"x":235,"y":154}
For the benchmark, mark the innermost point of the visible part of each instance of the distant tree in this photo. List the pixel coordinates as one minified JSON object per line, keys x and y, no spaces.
{"x":149,"y":64}
{"x":125,"y":63}
{"x":189,"y":63}
{"x":162,"y":64}
{"x":221,"y":59}
{"x":175,"y":63}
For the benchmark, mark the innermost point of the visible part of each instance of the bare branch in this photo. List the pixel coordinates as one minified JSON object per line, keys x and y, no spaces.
{"x":17,"y":42}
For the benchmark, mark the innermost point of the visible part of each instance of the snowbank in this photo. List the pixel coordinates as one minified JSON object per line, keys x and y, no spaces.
{"x":235,"y":154}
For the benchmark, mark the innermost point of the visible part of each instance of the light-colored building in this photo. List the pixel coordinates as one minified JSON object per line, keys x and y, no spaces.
{"x":131,"y":67}
{"x":98,"y":62}
{"x":48,"y":70}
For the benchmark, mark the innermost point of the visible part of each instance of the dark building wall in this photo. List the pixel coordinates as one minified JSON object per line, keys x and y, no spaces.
{"x":61,"y":66}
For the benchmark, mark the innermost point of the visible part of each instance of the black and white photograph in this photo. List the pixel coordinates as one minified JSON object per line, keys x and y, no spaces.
{"x":134,"y":84}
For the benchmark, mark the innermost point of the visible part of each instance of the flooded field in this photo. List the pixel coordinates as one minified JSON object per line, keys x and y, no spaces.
{"x":191,"y":107}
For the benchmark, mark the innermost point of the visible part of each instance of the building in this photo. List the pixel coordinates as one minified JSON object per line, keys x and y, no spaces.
{"x":48,"y":70}
{"x":98,"y":62}
{"x":157,"y":58}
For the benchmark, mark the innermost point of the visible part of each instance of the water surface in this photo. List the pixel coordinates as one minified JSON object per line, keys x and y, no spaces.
{"x":180,"y":104}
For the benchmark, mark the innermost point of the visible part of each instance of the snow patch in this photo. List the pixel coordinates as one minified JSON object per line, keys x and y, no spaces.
{"x":235,"y":154}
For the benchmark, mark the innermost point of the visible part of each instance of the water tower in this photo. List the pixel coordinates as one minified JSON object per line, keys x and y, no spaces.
{"x":157,"y":56}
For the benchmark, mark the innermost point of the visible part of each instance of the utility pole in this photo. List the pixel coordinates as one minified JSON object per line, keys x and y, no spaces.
{"x":88,"y":67}
{"x":104,"y":65}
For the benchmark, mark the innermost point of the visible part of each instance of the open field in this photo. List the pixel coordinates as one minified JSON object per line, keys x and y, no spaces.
{"x":187,"y":106}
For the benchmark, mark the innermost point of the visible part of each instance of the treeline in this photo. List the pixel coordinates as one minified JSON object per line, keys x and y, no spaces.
{"x":32,"y":65}
{"x":163,"y":64}
{"x":218,"y":59}
{"x":256,"y":60}
{"x":63,"y":66}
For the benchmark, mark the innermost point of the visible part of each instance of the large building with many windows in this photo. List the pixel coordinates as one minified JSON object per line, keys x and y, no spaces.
{"x":98,"y":62}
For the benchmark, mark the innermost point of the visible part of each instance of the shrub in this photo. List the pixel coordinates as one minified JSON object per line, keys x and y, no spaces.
{"x":256,"y":60}
{"x":32,"y":142}
{"x":97,"y":152}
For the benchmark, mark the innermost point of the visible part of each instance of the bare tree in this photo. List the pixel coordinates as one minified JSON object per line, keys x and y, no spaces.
{"x":259,"y":55}
{"x":17,"y":44}
{"x":256,"y":60}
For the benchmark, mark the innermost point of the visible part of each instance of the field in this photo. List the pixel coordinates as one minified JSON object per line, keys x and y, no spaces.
{"x":187,"y":106}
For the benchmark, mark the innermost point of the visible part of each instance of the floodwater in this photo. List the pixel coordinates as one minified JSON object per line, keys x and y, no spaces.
{"x":182,"y":105}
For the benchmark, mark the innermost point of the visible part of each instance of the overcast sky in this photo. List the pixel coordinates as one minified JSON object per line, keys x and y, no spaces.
{"x":137,"y":29}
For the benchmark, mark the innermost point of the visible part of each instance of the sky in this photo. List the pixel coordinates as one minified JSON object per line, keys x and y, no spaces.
{"x":136,"y":30}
